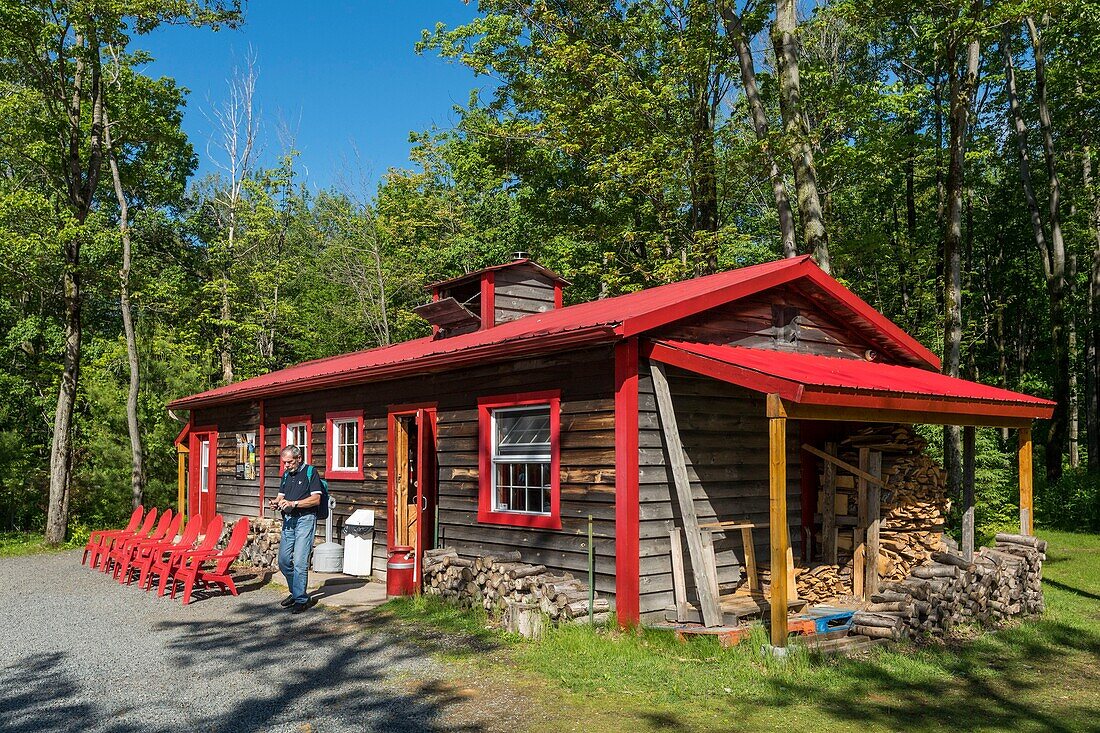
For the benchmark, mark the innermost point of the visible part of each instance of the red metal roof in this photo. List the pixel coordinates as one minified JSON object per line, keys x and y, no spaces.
{"x":823,"y":380}
{"x":600,"y":321}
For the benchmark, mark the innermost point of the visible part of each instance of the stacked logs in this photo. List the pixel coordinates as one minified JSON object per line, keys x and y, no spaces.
{"x":947,"y":590}
{"x":913,"y":504}
{"x":494,"y":582}
{"x":820,"y":583}
{"x":261,"y":549}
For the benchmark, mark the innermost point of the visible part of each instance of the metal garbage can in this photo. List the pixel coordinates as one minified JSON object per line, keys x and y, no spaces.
{"x":399,"y":572}
{"x":327,"y":557}
{"x":359,"y":542}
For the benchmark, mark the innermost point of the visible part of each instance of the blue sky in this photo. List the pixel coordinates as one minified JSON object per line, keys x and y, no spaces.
{"x":342,"y":76}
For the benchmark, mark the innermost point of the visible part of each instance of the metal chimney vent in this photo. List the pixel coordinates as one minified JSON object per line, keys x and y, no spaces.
{"x":520,"y":256}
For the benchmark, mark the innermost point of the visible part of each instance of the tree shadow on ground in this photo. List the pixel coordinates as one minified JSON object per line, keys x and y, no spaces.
{"x":996,"y":682}
{"x":1070,"y":589}
{"x":41,"y":694}
{"x":315,"y":671}
{"x":434,"y":638}
{"x":973,"y":685}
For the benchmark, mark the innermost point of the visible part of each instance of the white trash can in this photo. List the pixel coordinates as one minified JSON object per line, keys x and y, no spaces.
{"x":359,"y":542}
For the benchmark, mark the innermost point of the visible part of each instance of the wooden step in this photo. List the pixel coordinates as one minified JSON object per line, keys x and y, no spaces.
{"x":845,"y":645}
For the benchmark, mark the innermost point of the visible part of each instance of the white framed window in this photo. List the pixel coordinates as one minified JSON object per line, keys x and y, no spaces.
{"x":521,"y":459}
{"x":204,"y":466}
{"x":298,"y":430}
{"x":345,"y":444}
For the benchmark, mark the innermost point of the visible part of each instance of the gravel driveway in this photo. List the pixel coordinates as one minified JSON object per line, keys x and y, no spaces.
{"x":81,"y":653}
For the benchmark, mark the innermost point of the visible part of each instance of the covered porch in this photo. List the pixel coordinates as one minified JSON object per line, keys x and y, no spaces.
{"x":828,"y":393}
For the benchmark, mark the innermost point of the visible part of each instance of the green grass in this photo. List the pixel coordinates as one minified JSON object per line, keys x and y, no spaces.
{"x":1039,"y":675}
{"x":28,"y":543}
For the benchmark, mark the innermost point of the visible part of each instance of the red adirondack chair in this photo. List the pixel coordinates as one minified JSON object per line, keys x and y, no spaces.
{"x":122,"y":544}
{"x":167,"y":566}
{"x":192,"y":571}
{"x":149,"y":552}
{"x":97,"y":536}
{"x":99,"y":552}
{"x":124,"y":555}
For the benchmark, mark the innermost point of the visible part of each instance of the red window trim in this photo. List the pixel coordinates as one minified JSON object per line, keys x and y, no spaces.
{"x":283,"y":422}
{"x":485,"y":512}
{"x":332,"y":473}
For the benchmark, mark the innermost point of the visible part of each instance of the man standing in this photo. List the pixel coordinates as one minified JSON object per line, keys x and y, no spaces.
{"x":299,"y":496}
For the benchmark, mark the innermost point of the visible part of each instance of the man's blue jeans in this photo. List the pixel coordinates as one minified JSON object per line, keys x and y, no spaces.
{"x":295,"y":545}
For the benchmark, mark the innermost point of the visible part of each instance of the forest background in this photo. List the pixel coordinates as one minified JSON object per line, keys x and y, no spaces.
{"x":935,"y":157}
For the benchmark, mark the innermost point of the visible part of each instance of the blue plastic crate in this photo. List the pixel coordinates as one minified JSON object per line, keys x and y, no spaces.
{"x":830,"y":618}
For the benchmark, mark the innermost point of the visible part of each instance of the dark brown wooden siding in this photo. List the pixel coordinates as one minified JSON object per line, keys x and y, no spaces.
{"x":236,"y":497}
{"x":724,"y":430}
{"x":521,"y":291}
{"x":781,"y":318}
{"x":585,"y":379}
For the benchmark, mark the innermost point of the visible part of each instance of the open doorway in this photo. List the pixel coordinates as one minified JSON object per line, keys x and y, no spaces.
{"x":412,"y":481}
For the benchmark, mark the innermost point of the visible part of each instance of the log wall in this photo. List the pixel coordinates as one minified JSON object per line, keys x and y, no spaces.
{"x":236,"y":497}
{"x":781,"y":318}
{"x":724,"y":430}
{"x":587,"y":456}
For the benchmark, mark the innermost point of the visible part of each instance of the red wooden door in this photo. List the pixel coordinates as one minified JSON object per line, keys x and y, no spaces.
{"x":426,"y":485}
{"x":203,"y":475}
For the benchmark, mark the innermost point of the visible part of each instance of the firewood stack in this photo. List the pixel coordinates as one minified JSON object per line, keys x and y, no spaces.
{"x":261,"y":549}
{"x":914,"y":502}
{"x":495,"y":581}
{"x":946,"y":591}
{"x":821,"y":583}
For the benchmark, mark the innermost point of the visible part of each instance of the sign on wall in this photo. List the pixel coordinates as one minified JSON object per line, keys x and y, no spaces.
{"x":246,"y":456}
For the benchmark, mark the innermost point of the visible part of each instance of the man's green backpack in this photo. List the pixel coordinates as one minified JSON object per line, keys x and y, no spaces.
{"x":322,"y":508}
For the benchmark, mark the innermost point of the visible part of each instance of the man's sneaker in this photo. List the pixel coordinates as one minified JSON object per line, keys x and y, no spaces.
{"x":299,"y":607}
{"x":287,"y":602}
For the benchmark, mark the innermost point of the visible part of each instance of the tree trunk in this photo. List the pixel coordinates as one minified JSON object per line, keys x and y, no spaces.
{"x":225,"y":347}
{"x":1055,"y":272}
{"x":133,"y":424}
{"x":82,"y":180}
{"x":704,"y":180}
{"x":735,"y":30}
{"x":962,"y":91}
{"x":1092,"y":334}
{"x":1071,"y":346}
{"x":57,"y":517}
{"x":797,"y":132}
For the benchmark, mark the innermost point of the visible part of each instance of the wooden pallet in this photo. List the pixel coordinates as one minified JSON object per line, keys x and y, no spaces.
{"x":728,"y":636}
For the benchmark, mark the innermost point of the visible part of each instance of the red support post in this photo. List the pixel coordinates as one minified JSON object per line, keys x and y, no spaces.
{"x":627,"y":578}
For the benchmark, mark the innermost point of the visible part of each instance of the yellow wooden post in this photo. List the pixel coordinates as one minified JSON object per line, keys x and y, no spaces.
{"x":1027,"y":519}
{"x":780,"y":542}
{"x":181,"y":479}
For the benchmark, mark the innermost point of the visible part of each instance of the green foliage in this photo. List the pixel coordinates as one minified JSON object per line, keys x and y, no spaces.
{"x":614,"y":146}
{"x":1071,"y":504}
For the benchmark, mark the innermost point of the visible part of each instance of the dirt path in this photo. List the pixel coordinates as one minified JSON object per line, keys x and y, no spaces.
{"x":82,"y":653}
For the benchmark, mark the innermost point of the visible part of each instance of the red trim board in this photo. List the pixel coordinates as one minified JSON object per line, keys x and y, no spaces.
{"x":627,"y":556}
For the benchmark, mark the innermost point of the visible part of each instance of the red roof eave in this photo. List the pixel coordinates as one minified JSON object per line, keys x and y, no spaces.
{"x":428,"y":363}
{"x":727,"y":364}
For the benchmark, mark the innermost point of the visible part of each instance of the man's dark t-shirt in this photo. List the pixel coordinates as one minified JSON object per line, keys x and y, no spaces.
{"x":297,"y":486}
